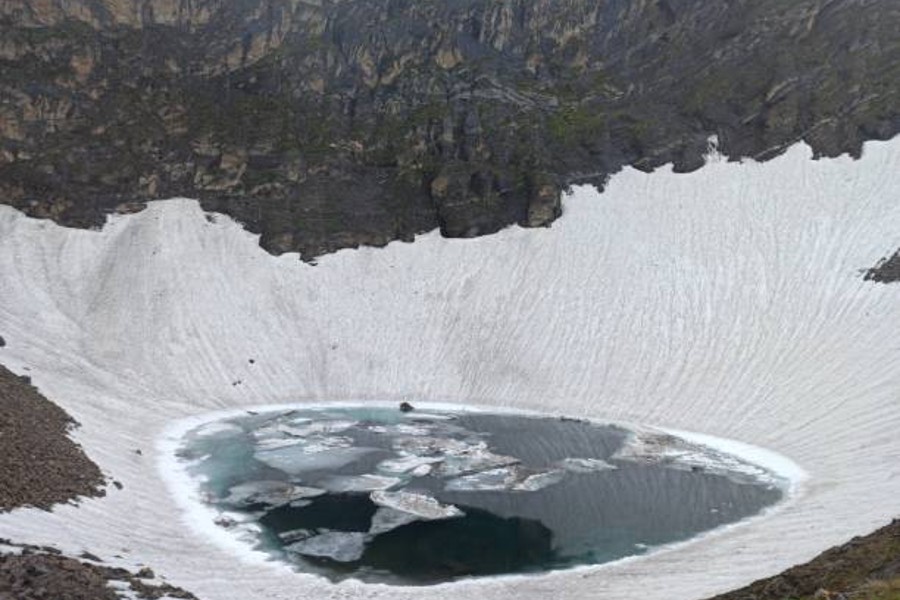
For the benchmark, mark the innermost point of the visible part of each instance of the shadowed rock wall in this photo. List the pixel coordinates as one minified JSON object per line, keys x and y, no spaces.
{"x":328,"y":124}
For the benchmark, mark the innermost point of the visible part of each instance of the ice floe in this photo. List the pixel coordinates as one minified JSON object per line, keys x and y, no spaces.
{"x":419,"y":505}
{"x":359,"y":483}
{"x":653,"y":447}
{"x":421,"y":471}
{"x":276,"y":443}
{"x":301,"y":458}
{"x":268,"y":493}
{"x":431,"y":446}
{"x":296,"y":535}
{"x":431,"y":416}
{"x":409,"y":464}
{"x":539,"y":481}
{"x":586,"y":465}
{"x":514,"y":478}
{"x":410,"y":429}
{"x":397,"y":509}
{"x":473,"y":460}
{"x":340,"y":546}
{"x":458,"y":456}
{"x":387,"y":519}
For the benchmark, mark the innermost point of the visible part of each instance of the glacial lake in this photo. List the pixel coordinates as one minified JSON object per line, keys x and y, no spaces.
{"x":430,"y":496}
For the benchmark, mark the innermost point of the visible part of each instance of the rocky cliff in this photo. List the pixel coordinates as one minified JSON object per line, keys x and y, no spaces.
{"x":323,"y":124}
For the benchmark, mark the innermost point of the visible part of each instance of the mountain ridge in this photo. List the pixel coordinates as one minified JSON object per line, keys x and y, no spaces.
{"x":324,"y":125}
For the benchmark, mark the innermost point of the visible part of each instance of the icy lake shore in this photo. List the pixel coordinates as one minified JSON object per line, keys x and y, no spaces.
{"x":461,"y":492}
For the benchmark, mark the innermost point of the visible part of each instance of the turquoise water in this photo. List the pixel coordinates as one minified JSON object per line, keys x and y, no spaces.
{"x":432,"y":496}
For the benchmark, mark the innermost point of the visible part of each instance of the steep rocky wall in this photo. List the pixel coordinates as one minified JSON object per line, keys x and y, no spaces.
{"x":324,"y":124}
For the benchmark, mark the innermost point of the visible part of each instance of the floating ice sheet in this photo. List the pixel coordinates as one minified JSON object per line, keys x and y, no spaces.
{"x":359,"y":483}
{"x":276,"y":443}
{"x":408,"y":464}
{"x":269,"y":493}
{"x":416,"y":504}
{"x":434,"y":446}
{"x":651,"y":447}
{"x":539,"y":481}
{"x":410,"y":429}
{"x":473,"y":461}
{"x":459,"y":456}
{"x":341,"y":546}
{"x":296,"y":535}
{"x":586,"y":465}
{"x":513,"y":478}
{"x":387,"y":519}
{"x":491,"y":480}
{"x":298,"y":459}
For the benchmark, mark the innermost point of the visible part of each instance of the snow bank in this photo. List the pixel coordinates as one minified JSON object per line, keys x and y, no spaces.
{"x":727,"y":301}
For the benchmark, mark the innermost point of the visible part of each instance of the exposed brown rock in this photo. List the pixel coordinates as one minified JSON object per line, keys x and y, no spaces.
{"x":42,"y":574}
{"x":39,"y":464}
{"x":866,"y":568}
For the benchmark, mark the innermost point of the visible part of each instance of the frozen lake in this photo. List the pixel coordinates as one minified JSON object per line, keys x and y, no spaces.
{"x":423,"y":497}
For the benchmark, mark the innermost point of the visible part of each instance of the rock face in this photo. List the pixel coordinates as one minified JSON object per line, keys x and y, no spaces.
{"x":332,"y":123}
{"x":866,"y":567}
{"x":39,"y":464}
{"x":34,"y":573}
{"x":886,"y":271}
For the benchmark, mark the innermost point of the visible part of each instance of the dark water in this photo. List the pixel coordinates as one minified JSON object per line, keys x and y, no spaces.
{"x":501,"y":493}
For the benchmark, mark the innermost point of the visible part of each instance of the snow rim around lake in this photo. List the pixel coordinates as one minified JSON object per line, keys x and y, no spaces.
{"x":241,"y":538}
{"x":727,"y":302}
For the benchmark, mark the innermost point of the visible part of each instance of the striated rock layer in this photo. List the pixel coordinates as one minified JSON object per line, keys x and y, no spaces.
{"x":328,"y":124}
{"x":730,"y":301}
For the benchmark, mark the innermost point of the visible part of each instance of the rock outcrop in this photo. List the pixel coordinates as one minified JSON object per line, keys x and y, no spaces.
{"x":886,"y":271}
{"x":324,"y":124}
{"x":866,"y":568}
{"x":36,"y":573}
{"x":40,"y":465}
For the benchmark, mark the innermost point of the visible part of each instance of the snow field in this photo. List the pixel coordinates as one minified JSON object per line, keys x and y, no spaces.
{"x":727,"y":302}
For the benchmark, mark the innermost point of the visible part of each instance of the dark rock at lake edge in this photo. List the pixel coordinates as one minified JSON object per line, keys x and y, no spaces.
{"x":330,"y":125}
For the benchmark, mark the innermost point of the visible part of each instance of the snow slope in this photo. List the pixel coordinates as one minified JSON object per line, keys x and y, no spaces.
{"x":726,"y":302}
